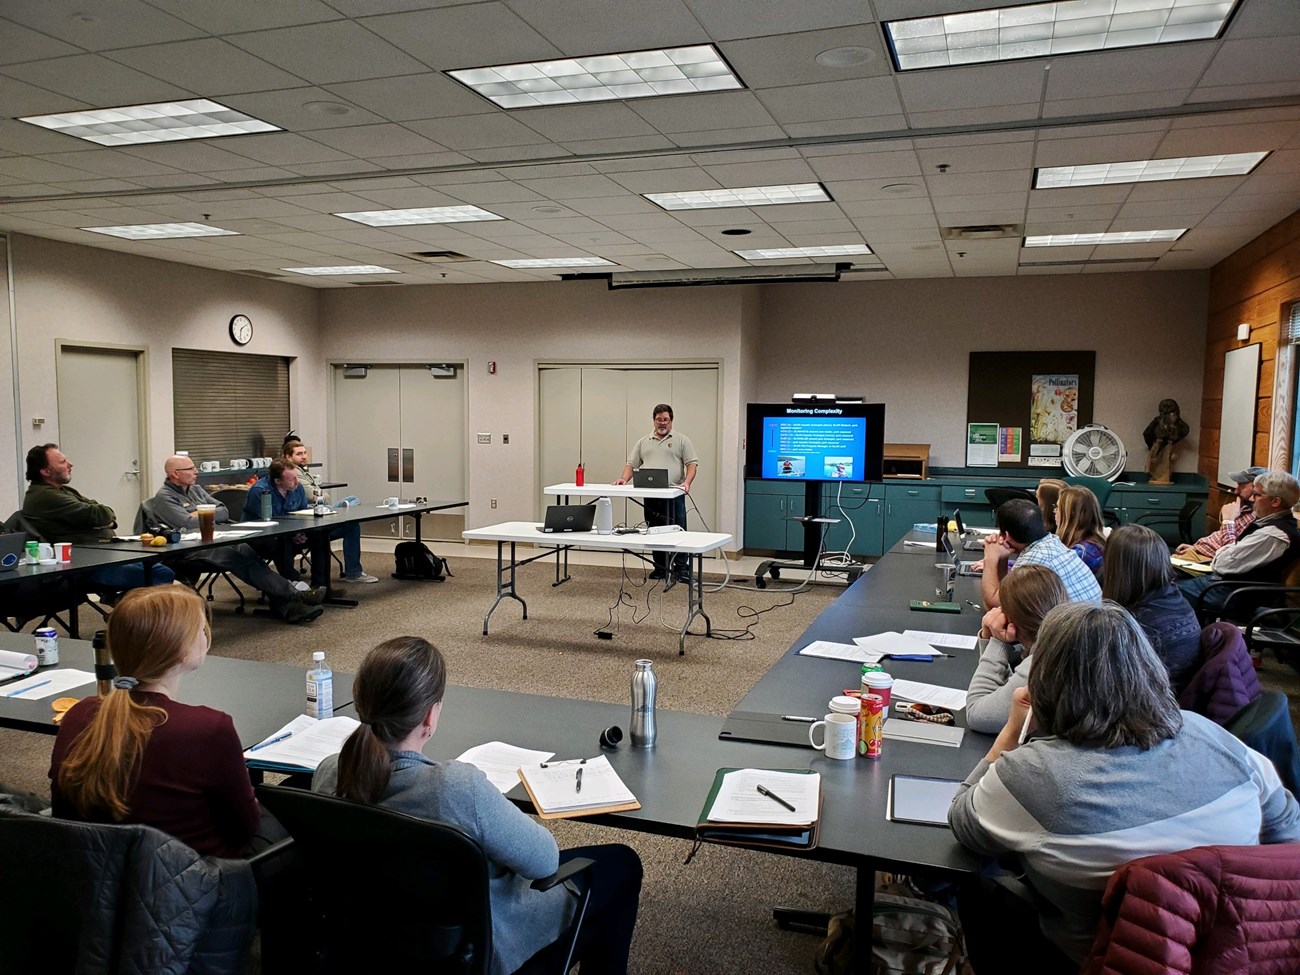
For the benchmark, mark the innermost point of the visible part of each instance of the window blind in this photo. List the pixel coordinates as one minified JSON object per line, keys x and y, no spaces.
{"x":1293,"y":324}
{"x":229,"y":404}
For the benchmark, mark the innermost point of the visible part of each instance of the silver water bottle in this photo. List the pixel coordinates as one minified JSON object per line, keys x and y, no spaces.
{"x":644,"y":684}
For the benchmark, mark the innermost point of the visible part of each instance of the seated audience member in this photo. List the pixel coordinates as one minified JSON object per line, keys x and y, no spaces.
{"x":1021,"y":534}
{"x":287,"y":495}
{"x":295,"y":452}
{"x":175,"y":506}
{"x":1234,"y":518}
{"x":62,"y":514}
{"x":1114,"y":771}
{"x":1079,"y":526}
{"x":1006,"y":643}
{"x":1140,"y":578}
{"x":1048,"y":493}
{"x":1265,"y":551}
{"x":139,"y":755}
{"x":398,"y":697}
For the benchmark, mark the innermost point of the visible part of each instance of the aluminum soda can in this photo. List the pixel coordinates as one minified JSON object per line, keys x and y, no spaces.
{"x":47,"y":646}
{"x":33,"y":550}
{"x":873,"y":724}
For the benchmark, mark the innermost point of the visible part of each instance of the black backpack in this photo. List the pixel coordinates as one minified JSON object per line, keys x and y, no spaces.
{"x":415,"y":561}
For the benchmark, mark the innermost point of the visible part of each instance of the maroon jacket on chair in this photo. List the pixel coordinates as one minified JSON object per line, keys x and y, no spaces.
{"x":1226,"y":682}
{"x":1214,"y":910}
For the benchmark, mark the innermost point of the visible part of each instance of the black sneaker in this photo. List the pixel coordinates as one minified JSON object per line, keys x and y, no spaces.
{"x":657,"y":574}
{"x":300,"y":612}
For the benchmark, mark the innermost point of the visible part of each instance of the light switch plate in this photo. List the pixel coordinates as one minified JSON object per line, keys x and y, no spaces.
{"x":485,"y":438}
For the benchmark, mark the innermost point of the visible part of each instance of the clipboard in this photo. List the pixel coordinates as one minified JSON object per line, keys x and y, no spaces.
{"x":920,"y":799}
{"x":773,"y":836}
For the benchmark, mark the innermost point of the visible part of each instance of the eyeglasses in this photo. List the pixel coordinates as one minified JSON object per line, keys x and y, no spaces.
{"x":182,"y":470}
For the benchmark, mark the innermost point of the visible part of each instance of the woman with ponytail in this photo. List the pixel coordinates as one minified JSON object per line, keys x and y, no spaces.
{"x":398,"y":698}
{"x":140,"y":756}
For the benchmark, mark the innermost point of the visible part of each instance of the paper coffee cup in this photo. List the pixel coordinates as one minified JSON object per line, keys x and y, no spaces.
{"x":878,"y":682}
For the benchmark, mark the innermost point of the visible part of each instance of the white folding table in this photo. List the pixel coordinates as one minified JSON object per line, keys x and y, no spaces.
{"x":515,"y":533}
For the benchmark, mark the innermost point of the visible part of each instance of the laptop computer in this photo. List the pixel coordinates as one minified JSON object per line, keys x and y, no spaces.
{"x":972,"y":539}
{"x":650,"y":477}
{"x":11,"y":550}
{"x":568,"y":518}
{"x":963,"y":568}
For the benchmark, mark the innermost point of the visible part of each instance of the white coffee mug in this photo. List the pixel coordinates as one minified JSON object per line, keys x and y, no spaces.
{"x":840,"y":739}
{"x":392,"y":502}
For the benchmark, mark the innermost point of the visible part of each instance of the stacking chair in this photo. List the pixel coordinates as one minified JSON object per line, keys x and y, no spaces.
{"x":1277,"y":630}
{"x":201,"y":573}
{"x":997,"y":497}
{"x":359,"y":860}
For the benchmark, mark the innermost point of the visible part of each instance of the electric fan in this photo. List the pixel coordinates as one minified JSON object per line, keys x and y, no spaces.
{"x":1094,"y":451}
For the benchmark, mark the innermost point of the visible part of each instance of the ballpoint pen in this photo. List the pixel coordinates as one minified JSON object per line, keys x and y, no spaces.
{"x":577,"y":780}
{"x":918,"y":657}
{"x":975,"y":606}
{"x":764,"y":790}
{"x":797,"y":717}
{"x":29,"y":687}
{"x":271,"y":741}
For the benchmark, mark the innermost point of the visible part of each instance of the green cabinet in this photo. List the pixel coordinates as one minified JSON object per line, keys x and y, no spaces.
{"x":860,"y":509}
{"x":769,"y":508}
{"x":908,"y":504}
{"x":1157,"y":508}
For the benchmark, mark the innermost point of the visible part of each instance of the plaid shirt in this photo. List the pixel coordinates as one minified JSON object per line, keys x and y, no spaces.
{"x":1226,"y":535}
{"x":1080,"y":584}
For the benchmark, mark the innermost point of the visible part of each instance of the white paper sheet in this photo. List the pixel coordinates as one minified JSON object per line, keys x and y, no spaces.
{"x":920,"y":693}
{"x":885,"y":644}
{"x":501,"y":762}
{"x":739,"y":801}
{"x":957,"y":640}
{"x":395,"y":507}
{"x":48,"y":683}
{"x":556,"y":786}
{"x":195,"y":536}
{"x":310,"y":742}
{"x":13,"y":664}
{"x":840,"y":651}
{"x":259,"y":524}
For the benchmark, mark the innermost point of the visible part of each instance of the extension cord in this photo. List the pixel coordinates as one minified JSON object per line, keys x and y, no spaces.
{"x":662,"y":529}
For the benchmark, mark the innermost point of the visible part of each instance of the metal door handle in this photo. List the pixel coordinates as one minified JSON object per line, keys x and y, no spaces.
{"x":131,"y":472}
{"x":392,"y":464}
{"x":408,"y":465}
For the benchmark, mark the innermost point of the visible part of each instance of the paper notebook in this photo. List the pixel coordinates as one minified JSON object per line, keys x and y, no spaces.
{"x":579,"y":787}
{"x":736,"y":813}
{"x":302,"y":744}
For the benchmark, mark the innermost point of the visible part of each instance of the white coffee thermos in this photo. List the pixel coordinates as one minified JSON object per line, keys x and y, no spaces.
{"x":604,"y":517}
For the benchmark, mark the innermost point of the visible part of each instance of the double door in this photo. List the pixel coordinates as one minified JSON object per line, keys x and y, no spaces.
{"x":399,"y":431}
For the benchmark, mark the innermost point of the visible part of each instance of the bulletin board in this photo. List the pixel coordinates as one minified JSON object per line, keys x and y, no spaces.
{"x":1035,"y":400}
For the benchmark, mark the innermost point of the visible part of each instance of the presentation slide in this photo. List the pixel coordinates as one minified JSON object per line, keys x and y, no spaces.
{"x":820,"y":448}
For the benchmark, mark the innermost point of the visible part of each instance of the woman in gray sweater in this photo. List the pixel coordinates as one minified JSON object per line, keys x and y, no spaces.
{"x":398,"y":696}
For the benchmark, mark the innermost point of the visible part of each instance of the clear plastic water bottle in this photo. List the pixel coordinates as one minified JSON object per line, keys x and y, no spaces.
{"x":644,"y":685}
{"x":320,"y":687}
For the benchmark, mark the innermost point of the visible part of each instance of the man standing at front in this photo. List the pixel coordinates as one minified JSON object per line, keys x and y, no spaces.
{"x":676,"y":453}
{"x":175,"y":505}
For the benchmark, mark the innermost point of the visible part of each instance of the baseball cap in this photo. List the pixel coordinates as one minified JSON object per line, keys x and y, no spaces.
{"x":1248,"y":475}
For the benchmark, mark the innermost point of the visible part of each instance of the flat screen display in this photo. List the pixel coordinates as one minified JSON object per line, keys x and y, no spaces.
{"x":815,"y":442}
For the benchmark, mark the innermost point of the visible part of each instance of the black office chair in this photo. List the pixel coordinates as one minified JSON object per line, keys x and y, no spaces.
{"x":1265,"y":725}
{"x":194,"y":570}
{"x":233,"y":499}
{"x":1243,"y":601}
{"x":997,"y":497}
{"x":1278,"y":630}
{"x":1183,"y":518}
{"x":359,"y":860}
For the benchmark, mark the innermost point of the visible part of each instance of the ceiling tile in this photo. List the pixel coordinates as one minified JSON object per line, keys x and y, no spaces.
{"x":973,"y":117}
{"x":21,"y":99}
{"x":1226,"y":138}
{"x":417,"y":96}
{"x":1253,"y":61}
{"x":1241,"y":93}
{"x":743,"y":18}
{"x":565,"y":123}
{"x":844,"y":191}
{"x":863,"y":165}
{"x":96,"y":81}
{"x":612,"y":209}
{"x":1102,"y":149}
{"x":574,"y":187}
{"x":99,"y":27}
{"x":198,"y":157}
{"x":761,"y":174}
{"x":580,"y":27}
{"x":278,"y":148}
{"x":977,"y":159}
{"x":868,"y":209}
{"x":728,"y":137}
{"x":38,"y":167}
{"x":861,"y":98}
{"x":790,"y":59}
{"x":638,"y":143}
{"x":377,"y":141}
{"x":290,"y":109}
{"x":943,"y":185}
{"x":330,"y":52}
{"x":700,"y":113}
{"x":484,"y":194}
{"x":209,"y":67}
{"x":973,"y":86}
{"x":1124,"y":72}
{"x":470,"y":36}
{"x":399,"y":199}
{"x":231,"y":16}
{"x":512,"y":155}
{"x":24,"y":44}
{"x":477,"y":131}
{"x":110,"y":162}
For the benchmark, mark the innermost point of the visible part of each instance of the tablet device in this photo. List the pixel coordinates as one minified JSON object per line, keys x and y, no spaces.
{"x":920,"y":799}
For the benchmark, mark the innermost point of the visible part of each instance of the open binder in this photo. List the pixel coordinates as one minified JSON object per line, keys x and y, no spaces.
{"x":799,"y":831}
{"x":553,"y":788}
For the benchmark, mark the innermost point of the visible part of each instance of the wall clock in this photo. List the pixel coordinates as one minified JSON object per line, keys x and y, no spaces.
{"x":241,"y":330}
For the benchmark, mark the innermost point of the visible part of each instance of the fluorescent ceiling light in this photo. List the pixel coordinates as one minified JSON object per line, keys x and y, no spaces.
{"x":525,"y":264}
{"x":162,"y":231}
{"x":602,"y":77}
{"x":352,"y":269}
{"x":419,"y":215}
{"x":825,"y":250}
{"x":1147,"y":170}
{"x":1091,"y":240}
{"x":143,"y":124}
{"x":745,"y":196}
{"x":1046,"y":29}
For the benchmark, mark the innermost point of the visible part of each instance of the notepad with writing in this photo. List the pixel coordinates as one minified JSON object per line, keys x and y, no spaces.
{"x":738,"y":812}
{"x":302,"y":744}
{"x":581,"y":787}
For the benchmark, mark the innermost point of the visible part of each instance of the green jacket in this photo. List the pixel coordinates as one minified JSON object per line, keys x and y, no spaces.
{"x":62,"y":514}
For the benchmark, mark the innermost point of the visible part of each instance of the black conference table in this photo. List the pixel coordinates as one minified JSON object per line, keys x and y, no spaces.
{"x":260,"y":697}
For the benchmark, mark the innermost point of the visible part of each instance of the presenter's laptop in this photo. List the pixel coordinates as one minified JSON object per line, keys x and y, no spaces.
{"x":650,"y":477}
{"x":569,"y":518}
{"x":11,"y":550}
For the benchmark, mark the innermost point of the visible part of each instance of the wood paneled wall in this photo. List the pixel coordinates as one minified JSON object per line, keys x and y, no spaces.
{"x":1254,"y":285}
